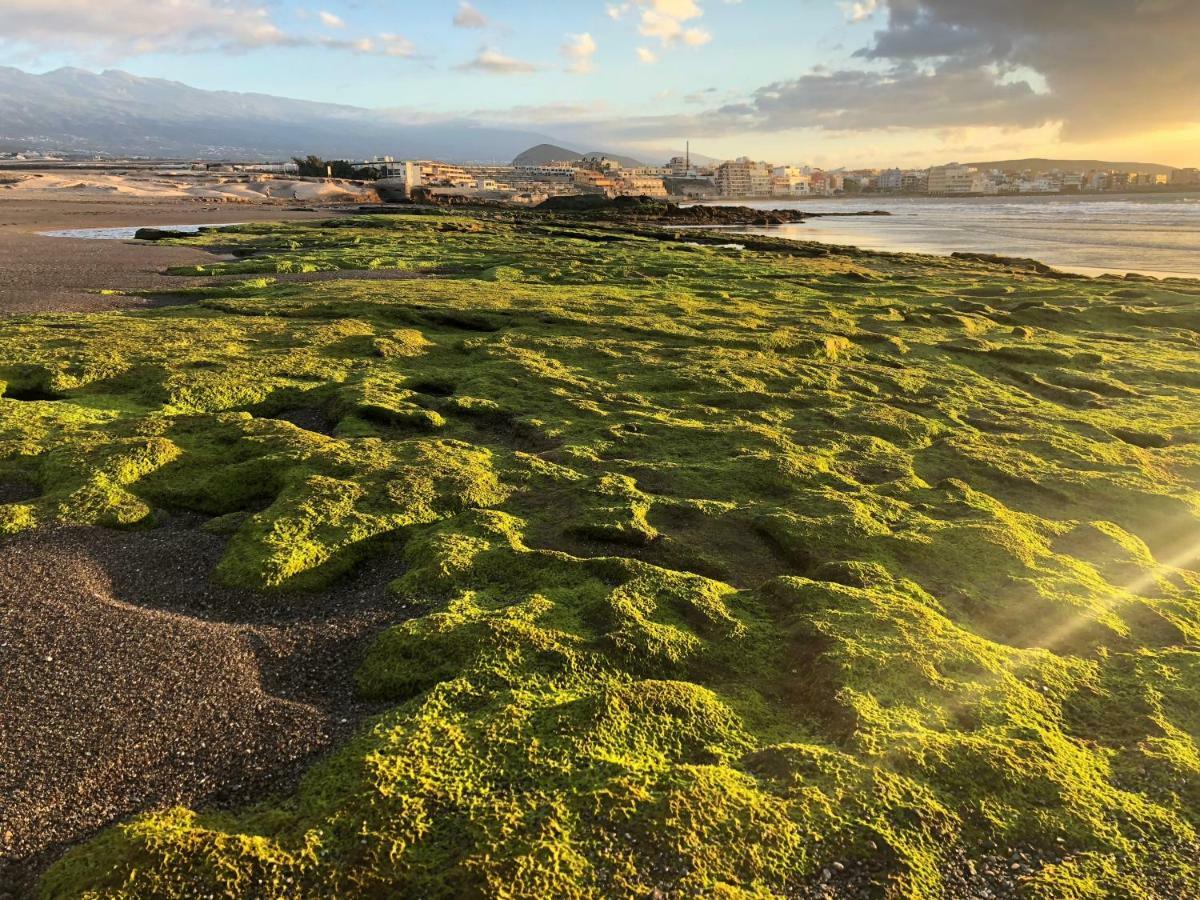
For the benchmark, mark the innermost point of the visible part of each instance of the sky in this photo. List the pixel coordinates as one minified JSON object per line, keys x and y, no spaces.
{"x":819,"y":82}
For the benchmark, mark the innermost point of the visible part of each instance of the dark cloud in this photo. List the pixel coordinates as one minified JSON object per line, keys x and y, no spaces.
{"x":905,"y":96}
{"x":1100,"y":67}
{"x":925,"y":40}
{"x":1110,"y":66}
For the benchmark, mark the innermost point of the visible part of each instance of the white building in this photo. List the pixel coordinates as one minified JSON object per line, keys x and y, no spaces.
{"x":634,"y":185}
{"x":744,"y":177}
{"x":891,"y":180}
{"x":959,"y":179}
{"x":790,"y":181}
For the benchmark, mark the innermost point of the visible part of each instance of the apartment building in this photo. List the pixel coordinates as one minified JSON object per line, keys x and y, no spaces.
{"x":891,"y":180}
{"x":592,"y":181}
{"x":743,"y":177}
{"x":640,"y":185}
{"x":958,"y":179}
{"x":789,"y":181}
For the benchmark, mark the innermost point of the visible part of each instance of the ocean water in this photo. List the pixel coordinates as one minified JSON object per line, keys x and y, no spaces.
{"x":1151,"y":234}
{"x":125,"y":233}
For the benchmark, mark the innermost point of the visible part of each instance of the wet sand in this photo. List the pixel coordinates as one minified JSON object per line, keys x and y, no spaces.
{"x":43,"y":274}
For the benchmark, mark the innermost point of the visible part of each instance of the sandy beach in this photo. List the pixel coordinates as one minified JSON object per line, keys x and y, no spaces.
{"x":45,"y":274}
{"x":98,"y":610}
{"x":137,"y":682}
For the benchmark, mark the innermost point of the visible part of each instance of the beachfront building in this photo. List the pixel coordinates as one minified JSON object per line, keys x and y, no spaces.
{"x":744,"y":177}
{"x":592,"y":182}
{"x":1072,"y":182}
{"x":556,"y":171}
{"x":634,"y":185}
{"x":647,"y":171}
{"x":959,"y":179}
{"x":789,"y":181}
{"x":826,"y":183}
{"x":890,"y":181}
{"x":682,"y":167}
{"x":439,"y":173}
{"x":819,"y":182}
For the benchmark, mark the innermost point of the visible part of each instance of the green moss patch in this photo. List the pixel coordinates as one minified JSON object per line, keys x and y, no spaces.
{"x":729,"y":564}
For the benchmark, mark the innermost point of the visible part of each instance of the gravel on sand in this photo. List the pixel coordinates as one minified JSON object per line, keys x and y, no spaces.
{"x":132,"y":681}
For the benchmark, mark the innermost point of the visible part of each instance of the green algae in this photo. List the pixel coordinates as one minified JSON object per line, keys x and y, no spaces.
{"x":727,"y":563}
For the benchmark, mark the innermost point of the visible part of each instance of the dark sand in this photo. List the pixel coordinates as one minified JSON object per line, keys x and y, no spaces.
{"x":43,"y":274}
{"x":132,"y":681}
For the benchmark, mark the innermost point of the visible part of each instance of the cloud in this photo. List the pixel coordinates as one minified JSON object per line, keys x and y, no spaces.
{"x":1071,"y":70}
{"x":469,"y":17}
{"x":127,"y":27}
{"x":664,"y":20}
{"x":646,"y":55}
{"x":860,"y":10}
{"x":493,"y":62}
{"x":556,"y":113}
{"x":1109,"y":66}
{"x":848,"y":102}
{"x":119,"y":29}
{"x":382,"y":45}
{"x":329,"y":20}
{"x":950,"y":96}
{"x":579,"y":50}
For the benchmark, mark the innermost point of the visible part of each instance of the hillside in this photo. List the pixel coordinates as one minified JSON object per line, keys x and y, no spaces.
{"x":544,"y":154}
{"x":682,"y":570}
{"x":1070,"y":165}
{"x":74,"y":110}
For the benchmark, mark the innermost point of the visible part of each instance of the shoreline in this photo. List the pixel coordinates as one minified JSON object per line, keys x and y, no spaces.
{"x":40,"y":273}
{"x":1090,"y":235}
{"x":865,"y":197}
{"x":47,"y":273}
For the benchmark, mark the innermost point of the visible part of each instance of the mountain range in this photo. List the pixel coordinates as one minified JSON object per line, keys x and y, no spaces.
{"x":119,"y":114}
{"x":77,"y":111}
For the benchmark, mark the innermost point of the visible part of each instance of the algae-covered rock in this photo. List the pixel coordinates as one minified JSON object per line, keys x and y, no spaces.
{"x":713,"y":567}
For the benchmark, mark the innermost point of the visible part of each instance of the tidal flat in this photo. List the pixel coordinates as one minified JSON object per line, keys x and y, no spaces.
{"x":674,"y":569}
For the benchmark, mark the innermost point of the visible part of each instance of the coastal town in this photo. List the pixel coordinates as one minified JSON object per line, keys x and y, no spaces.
{"x":548,"y":171}
{"x":531,"y":180}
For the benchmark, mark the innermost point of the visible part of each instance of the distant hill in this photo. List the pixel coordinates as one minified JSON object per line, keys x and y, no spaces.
{"x":77,"y":111}
{"x":623,"y":160}
{"x":544,"y":154}
{"x":1071,"y":165}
